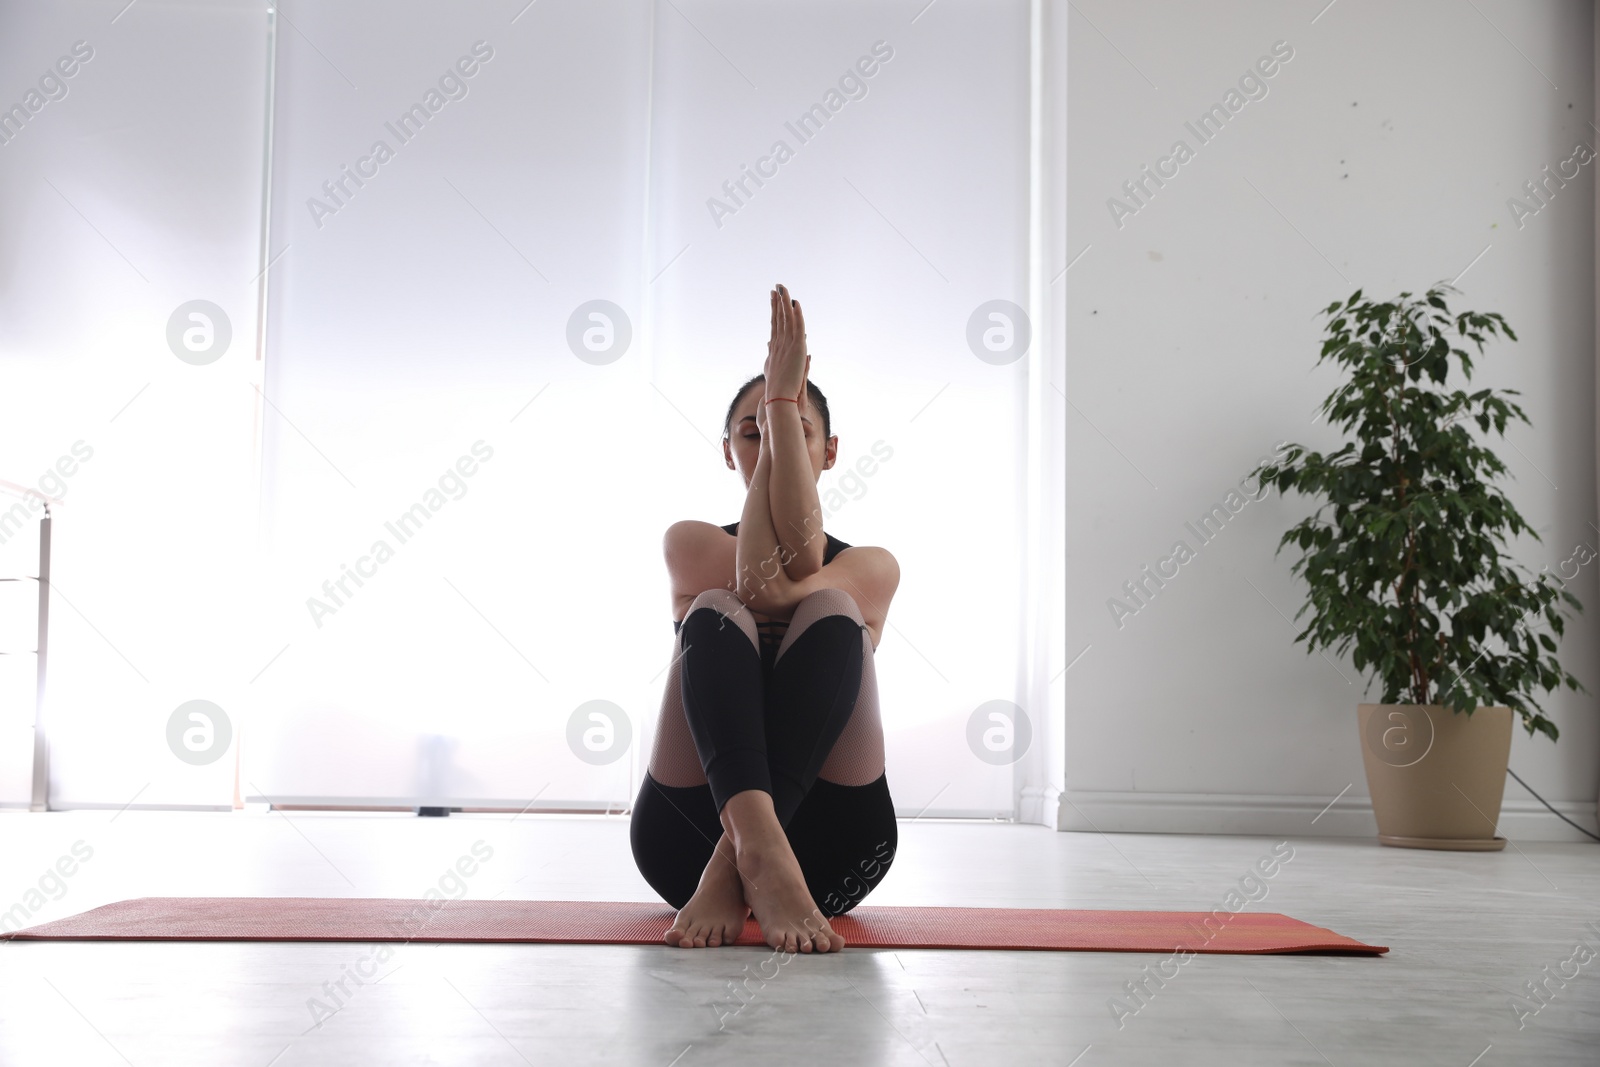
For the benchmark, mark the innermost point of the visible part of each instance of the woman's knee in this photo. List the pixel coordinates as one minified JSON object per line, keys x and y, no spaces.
{"x":830,"y":601}
{"x":728,"y":608}
{"x":813,"y":615}
{"x":722,"y":600}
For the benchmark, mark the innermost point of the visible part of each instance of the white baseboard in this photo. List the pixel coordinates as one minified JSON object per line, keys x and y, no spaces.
{"x":1040,"y":806}
{"x":1521,"y":818}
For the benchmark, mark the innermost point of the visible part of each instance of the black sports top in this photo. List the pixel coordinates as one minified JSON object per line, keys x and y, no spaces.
{"x":772,"y":630}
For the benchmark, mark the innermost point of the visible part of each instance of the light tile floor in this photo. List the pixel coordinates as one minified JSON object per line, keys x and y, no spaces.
{"x":1466,"y":932}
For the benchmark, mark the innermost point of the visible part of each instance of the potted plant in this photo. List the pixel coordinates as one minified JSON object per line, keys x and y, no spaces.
{"x":1409,"y":573}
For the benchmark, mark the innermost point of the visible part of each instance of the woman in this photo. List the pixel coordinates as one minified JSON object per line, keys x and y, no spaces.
{"x":766,"y":791}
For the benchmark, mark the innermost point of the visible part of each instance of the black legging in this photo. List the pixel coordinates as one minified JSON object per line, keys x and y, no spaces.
{"x":768,"y":725}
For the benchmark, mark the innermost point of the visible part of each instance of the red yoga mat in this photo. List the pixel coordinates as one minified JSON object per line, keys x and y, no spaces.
{"x":617,"y":923}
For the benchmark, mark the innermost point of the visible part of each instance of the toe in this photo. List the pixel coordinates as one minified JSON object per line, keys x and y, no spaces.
{"x":816,"y":932}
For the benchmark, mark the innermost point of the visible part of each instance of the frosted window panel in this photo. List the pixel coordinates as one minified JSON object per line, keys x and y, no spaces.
{"x":419,"y":359}
{"x":437,"y":309}
{"x":19,"y":612}
{"x":17,"y":674}
{"x":19,"y":605}
{"x":132,"y":189}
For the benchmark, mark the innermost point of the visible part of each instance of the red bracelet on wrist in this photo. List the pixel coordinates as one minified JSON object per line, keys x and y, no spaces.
{"x":790,"y":399}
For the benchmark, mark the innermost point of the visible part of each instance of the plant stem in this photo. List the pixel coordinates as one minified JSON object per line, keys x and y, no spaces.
{"x":1406,"y":597}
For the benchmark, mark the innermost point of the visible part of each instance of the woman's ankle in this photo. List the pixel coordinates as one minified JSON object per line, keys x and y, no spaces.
{"x":750,"y":819}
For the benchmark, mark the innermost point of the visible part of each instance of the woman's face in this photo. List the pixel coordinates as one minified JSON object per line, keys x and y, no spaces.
{"x":743,"y":444}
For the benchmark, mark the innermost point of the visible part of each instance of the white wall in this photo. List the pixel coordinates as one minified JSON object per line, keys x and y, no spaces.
{"x":1382,"y":158}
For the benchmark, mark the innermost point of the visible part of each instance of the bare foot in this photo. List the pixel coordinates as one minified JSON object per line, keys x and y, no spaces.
{"x":776,"y":889}
{"x":715,"y":915}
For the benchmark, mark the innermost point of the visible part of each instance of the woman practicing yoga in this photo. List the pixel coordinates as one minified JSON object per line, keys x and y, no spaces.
{"x":766,"y":791}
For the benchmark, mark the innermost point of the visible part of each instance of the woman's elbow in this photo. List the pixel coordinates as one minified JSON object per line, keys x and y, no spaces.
{"x":801,"y":568}
{"x":769,"y":596}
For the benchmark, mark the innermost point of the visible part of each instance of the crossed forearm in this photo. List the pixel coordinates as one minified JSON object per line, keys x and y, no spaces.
{"x":792,"y":493}
{"x":759,"y":559}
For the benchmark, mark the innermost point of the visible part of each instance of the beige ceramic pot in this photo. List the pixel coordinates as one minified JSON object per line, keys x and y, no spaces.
{"x":1436,"y":776}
